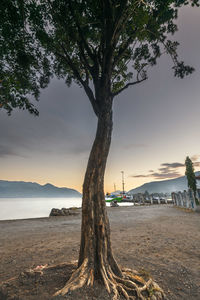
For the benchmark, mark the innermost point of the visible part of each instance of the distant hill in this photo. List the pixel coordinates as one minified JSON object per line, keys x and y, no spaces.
{"x":16,"y":189}
{"x":164,"y":186}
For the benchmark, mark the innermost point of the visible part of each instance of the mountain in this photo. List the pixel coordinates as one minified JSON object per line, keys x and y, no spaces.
{"x":23,"y":189}
{"x":164,"y":186}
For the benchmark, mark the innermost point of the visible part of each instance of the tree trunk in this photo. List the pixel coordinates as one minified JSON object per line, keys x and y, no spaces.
{"x":95,"y":232}
{"x":96,"y":259}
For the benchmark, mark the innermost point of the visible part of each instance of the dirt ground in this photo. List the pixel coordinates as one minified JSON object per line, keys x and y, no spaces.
{"x":159,"y":240}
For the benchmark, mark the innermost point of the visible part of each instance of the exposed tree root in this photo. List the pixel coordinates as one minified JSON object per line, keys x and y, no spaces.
{"x":131,"y":285}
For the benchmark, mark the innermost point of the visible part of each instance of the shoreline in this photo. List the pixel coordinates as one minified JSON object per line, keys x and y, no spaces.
{"x":49,"y":210}
{"x":35,"y":219}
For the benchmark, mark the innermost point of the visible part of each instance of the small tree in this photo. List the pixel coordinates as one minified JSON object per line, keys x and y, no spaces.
{"x":105,"y":46}
{"x":191,"y":178}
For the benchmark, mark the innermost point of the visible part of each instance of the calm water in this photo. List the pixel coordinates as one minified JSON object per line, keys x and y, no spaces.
{"x":25,"y":208}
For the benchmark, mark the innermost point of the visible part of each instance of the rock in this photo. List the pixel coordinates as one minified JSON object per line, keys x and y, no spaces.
{"x":114,"y":204}
{"x":55,"y":212}
{"x":65,"y":211}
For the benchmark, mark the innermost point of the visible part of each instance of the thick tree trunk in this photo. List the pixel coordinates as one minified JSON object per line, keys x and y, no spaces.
{"x":96,"y":259}
{"x":95,"y":231}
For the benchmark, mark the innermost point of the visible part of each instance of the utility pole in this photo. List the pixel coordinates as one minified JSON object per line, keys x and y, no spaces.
{"x":123,"y":182}
{"x":114,"y":187}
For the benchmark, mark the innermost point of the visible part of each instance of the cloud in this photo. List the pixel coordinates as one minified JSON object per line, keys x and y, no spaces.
{"x":196,"y":164}
{"x":7,"y":151}
{"x":166,"y":175}
{"x":173,"y":165}
{"x":195,"y":157}
{"x":140,"y":176}
{"x":157,"y":175}
{"x":64,"y":127}
{"x":167,"y":171}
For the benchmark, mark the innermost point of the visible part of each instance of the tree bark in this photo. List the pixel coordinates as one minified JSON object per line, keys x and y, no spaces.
{"x":95,"y":232}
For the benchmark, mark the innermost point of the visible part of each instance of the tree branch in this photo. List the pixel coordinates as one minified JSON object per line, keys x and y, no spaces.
{"x":85,"y":60}
{"x":85,"y":85}
{"x":127,"y":85}
{"x":124,"y":46}
{"x":115,"y":29}
{"x":89,"y":52}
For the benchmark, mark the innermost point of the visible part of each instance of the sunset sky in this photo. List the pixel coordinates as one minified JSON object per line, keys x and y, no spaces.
{"x":156,"y":125}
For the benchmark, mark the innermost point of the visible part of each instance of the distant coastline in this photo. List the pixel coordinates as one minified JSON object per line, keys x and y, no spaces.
{"x":22,"y":189}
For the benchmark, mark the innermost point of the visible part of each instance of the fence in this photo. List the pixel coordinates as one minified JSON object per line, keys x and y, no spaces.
{"x":142,"y":199}
{"x":186,"y":199}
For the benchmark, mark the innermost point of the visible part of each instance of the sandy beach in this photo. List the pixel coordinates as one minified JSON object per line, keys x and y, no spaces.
{"x":160,"y":240}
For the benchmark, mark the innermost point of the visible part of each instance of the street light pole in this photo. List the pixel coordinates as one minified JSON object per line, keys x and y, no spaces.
{"x":123,"y":182}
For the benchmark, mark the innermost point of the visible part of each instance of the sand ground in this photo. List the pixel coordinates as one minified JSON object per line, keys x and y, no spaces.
{"x":162,"y":240}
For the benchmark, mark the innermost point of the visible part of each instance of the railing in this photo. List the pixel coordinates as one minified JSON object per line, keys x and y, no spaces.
{"x":142,"y":199}
{"x":186,"y":199}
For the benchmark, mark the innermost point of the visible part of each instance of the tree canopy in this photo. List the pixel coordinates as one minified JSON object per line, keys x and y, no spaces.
{"x":97,"y":43}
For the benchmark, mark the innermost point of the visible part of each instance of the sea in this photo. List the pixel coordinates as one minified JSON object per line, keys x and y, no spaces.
{"x":26,"y":208}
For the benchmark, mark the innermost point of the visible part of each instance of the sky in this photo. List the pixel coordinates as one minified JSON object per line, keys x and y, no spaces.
{"x":156,"y":125}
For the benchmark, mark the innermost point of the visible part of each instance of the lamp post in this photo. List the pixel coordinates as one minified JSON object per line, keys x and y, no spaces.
{"x":123,"y":183}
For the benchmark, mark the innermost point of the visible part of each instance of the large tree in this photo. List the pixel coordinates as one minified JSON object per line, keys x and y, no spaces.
{"x":105,"y":46}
